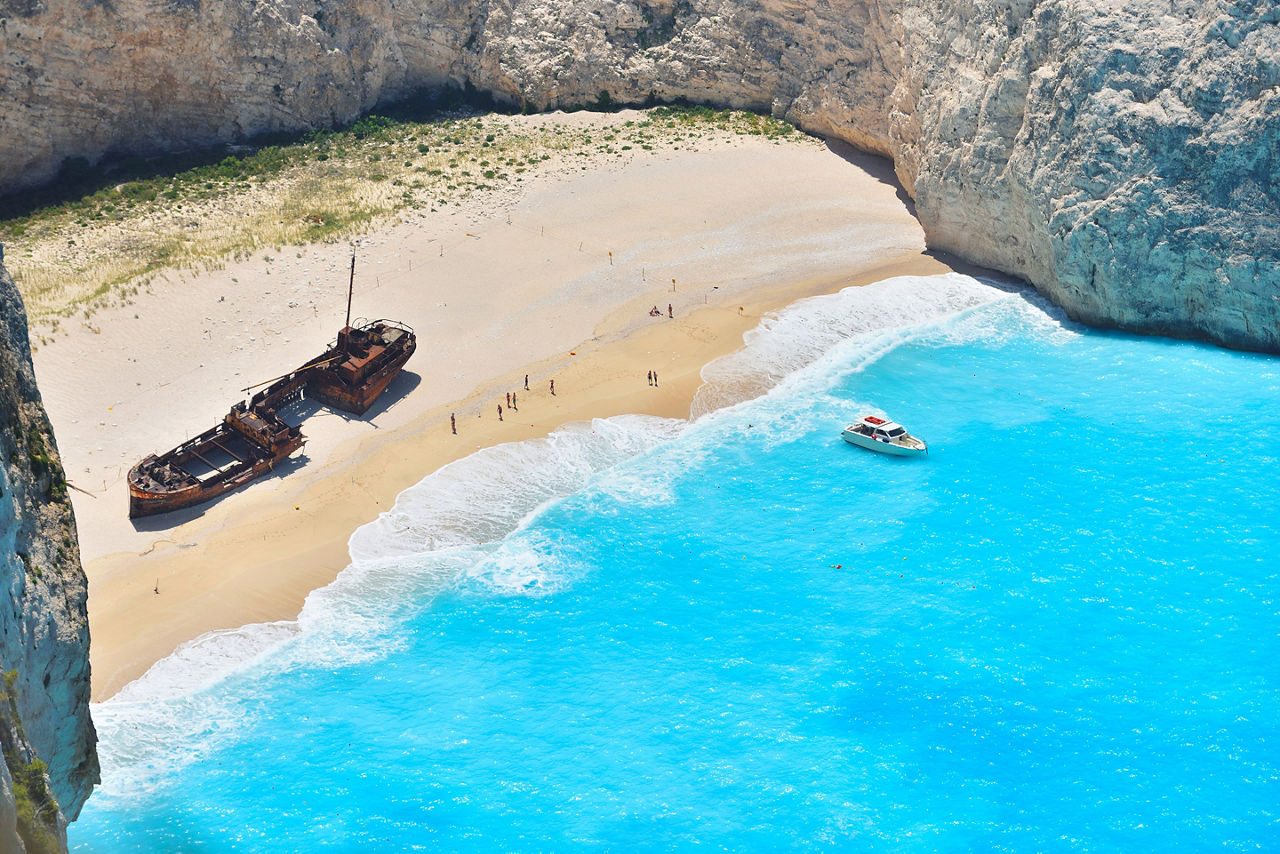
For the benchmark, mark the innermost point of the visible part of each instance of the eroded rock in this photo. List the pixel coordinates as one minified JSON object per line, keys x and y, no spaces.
{"x":1119,"y":156}
{"x":44,"y":628}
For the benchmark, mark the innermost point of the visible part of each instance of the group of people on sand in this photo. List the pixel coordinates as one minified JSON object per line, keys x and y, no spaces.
{"x":513,"y":405}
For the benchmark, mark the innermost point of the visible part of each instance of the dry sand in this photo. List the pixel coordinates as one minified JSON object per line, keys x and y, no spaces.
{"x":555,"y":281}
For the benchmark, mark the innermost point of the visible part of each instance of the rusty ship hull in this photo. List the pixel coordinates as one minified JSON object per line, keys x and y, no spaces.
{"x":362,"y":363}
{"x":212,"y":464}
{"x":252,"y":439}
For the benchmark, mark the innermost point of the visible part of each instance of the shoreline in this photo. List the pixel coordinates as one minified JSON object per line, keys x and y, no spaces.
{"x":298,"y":536}
{"x":554,"y":279}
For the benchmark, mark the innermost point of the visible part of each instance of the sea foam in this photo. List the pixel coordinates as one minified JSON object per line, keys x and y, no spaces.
{"x":483,"y":497}
{"x":873,"y":315}
{"x":167,"y":718}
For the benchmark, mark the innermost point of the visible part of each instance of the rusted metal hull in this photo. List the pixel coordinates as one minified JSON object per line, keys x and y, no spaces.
{"x":328,"y":387}
{"x":147,"y":497}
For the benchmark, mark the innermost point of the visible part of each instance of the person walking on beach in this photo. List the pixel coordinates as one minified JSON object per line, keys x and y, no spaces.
{"x":508,"y":400}
{"x":499,"y":411}
{"x":553,"y":388}
{"x":649,"y":377}
{"x":669,"y":313}
{"x":526,"y":382}
{"x":513,"y":402}
{"x":453,"y":424}
{"x":655,"y":377}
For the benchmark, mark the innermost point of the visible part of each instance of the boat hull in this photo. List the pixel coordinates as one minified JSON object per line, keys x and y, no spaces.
{"x":890,"y":448}
{"x":330,"y":390}
{"x":144,"y":502}
{"x":147,"y":498}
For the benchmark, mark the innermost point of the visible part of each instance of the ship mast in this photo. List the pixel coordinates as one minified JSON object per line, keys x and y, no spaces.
{"x":350,"y":287}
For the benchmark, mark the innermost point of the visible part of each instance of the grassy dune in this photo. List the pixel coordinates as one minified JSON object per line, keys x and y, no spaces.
{"x":84,"y":252}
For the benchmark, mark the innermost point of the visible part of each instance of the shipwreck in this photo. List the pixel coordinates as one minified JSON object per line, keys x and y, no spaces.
{"x":252,"y":438}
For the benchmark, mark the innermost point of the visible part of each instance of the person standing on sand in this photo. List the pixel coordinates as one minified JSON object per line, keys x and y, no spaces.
{"x":453,"y":424}
{"x":513,"y":402}
{"x":655,"y":378}
{"x":508,"y":400}
{"x":553,"y":388}
{"x":649,"y":377}
{"x":499,"y":411}
{"x":669,"y":314}
{"x":526,"y":382}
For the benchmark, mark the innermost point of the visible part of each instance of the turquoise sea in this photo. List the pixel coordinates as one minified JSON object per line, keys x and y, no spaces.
{"x":1060,"y":631}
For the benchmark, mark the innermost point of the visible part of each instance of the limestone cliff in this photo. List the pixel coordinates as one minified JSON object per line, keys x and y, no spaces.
{"x":1121,"y":156}
{"x":44,"y":630}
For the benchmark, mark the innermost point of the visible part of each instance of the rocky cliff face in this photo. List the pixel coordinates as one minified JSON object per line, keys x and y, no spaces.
{"x":44,"y":630}
{"x":1121,"y":156}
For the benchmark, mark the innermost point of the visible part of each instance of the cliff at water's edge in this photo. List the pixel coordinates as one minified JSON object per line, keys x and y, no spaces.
{"x":44,"y":628}
{"x":1122,"y":157}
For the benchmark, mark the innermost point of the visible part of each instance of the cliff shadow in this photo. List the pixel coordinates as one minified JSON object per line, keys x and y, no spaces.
{"x":876,"y":165}
{"x":881,"y":168}
{"x":1004,"y":281}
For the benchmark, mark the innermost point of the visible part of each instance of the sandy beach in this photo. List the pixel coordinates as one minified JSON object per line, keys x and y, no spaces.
{"x":554,"y":280}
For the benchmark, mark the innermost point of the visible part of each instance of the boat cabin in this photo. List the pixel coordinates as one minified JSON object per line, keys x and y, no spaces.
{"x":879,"y":428}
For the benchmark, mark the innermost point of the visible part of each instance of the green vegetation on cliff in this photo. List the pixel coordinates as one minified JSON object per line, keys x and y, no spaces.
{"x":37,"y":807}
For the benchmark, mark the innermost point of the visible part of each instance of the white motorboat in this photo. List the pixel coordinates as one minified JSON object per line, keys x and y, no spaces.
{"x":880,"y":434}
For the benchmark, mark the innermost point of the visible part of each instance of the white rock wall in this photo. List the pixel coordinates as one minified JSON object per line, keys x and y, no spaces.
{"x":1119,"y":154}
{"x":9,"y":839}
{"x":44,"y":628}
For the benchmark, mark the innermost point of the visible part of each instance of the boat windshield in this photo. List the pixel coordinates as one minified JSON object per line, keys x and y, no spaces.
{"x":897,"y":432}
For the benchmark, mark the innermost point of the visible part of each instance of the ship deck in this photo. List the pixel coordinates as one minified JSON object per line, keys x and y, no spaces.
{"x":213,"y":458}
